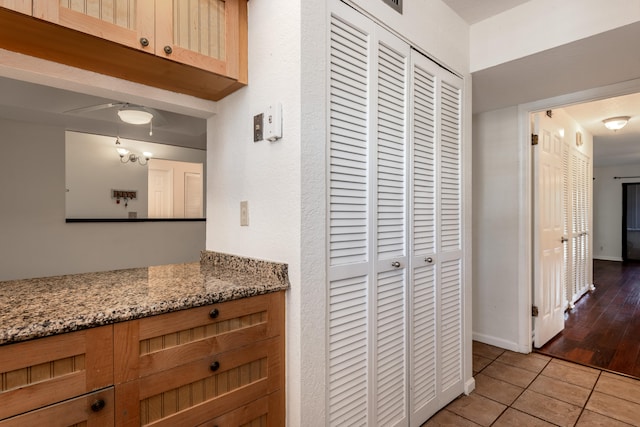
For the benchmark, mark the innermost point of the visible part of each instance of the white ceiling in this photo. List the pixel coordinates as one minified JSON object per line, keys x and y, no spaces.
{"x":473,"y":11}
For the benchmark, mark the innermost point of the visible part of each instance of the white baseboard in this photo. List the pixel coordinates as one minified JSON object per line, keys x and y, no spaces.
{"x":469,"y":386}
{"x":608,"y":258}
{"x":498,"y":342}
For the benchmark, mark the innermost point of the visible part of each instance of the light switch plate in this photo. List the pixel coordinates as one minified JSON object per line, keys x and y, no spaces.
{"x":244,"y":213}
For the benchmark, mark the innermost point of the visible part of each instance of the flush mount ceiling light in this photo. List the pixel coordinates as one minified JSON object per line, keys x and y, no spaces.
{"x":616,"y":123}
{"x":134,"y":115}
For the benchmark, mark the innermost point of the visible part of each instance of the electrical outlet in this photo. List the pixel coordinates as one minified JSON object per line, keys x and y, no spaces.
{"x":258,"y":124}
{"x":244,"y":213}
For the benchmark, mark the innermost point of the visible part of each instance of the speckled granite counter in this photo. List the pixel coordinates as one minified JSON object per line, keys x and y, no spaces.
{"x":35,"y":308}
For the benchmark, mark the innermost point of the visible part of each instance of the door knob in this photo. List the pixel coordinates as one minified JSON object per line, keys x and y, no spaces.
{"x":428,"y":260}
{"x":563,"y":239}
{"x":395,"y":264}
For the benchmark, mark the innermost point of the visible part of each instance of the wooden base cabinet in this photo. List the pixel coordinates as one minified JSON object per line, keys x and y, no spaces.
{"x":191,"y":367}
{"x":218,"y":365}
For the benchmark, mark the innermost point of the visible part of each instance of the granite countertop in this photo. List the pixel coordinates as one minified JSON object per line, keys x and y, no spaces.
{"x":34,"y":308}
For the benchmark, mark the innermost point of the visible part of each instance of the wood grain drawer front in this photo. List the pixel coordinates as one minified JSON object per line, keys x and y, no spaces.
{"x":263,"y":412}
{"x":193,"y":393}
{"x":154,"y":344}
{"x":48,"y":370}
{"x":91,"y":410}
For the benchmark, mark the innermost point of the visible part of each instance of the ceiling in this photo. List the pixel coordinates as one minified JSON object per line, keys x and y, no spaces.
{"x":33,"y":103}
{"x":473,"y":11}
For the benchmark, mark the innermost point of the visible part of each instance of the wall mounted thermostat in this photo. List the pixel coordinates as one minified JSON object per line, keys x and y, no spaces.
{"x":273,"y":122}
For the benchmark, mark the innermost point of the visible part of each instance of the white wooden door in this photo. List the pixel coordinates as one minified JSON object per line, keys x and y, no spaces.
{"x":549,"y":240}
{"x":160,"y":192}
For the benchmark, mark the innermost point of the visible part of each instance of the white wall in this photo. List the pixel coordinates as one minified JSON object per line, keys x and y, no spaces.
{"x":496,"y":246}
{"x":35,"y":240}
{"x":538,"y":25}
{"x":607,"y":209}
{"x":93,"y":169}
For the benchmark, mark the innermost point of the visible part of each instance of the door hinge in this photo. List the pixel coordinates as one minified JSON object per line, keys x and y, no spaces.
{"x":534,"y":311}
{"x":534,"y":139}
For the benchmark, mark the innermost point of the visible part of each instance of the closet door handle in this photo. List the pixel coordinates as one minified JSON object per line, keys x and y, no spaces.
{"x":563,"y":239}
{"x":428,"y":260}
{"x":395,"y":264}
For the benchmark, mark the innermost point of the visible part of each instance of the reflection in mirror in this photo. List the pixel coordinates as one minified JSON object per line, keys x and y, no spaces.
{"x":102,"y":185}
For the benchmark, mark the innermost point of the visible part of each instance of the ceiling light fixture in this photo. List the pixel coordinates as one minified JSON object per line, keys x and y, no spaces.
{"x":135,"y":115}
{"x":616,"y":123}
{"x":127,"y":156}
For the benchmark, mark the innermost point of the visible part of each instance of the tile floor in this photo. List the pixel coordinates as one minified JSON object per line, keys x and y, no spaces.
{"x":515,"y":389}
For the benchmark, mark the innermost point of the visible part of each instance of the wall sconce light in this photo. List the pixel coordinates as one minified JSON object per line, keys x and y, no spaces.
{"x":616,"y":123}
{"x":126,"y":156}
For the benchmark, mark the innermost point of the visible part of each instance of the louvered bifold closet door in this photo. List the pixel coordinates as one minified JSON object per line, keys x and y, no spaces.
{"x":391,"y":387}
{"x":424,"y":398}
{"x":567,"y":220}
{"x":350,"y":243}
{"x":449,"y":276}
{"x":581,"y":200}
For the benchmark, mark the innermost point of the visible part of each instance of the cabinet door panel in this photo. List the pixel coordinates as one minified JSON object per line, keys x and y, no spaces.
{"x":49,"y":370}
{"x":22,"y":6}
{"x":122,"y":22}
{"x":206,"y":34}
{"x":73,"y":412}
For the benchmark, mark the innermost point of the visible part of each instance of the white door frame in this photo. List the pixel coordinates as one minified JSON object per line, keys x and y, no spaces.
{"x":525,"y":217}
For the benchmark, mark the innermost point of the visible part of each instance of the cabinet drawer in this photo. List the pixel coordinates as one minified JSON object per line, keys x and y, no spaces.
{"x":259,"y":413}
{"x":91,"y":410}
{"x":196,"y":392}
{"x":154,"y":344}
{"x":48,"y":370}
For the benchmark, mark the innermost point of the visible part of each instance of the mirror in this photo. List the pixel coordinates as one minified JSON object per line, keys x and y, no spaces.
{"x":102,"y":185}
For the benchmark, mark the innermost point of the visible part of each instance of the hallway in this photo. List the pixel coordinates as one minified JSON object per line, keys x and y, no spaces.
{"x":603,"y":330}
{"x":514,"y":389}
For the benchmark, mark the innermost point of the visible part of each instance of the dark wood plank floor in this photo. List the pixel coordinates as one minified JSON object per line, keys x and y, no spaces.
{"x":603,"y":330}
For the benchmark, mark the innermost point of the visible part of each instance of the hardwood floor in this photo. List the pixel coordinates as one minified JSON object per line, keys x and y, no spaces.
{"x":603,"y":330}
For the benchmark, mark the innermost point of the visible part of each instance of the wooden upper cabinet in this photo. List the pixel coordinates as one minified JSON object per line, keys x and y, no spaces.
{"x":22,"y":6}
{"x":202,"y":33}
{"x":127,"y":22}
{"x":206,"y":34}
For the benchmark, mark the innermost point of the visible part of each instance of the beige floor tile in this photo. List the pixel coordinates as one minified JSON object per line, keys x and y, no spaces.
{"x":497,"y":390}
{"x":614,"y":407}
{"x":549,"y":409}
{"x":531,"y":362}
{"x":447,"y":418}
{"x":593,"y":419}
{"x":477,"y":408}
{"x":480,"y":362}
{"x":561,"y":390}
{"x":571,"y":373}
{"x":511,"y":374}
{"x":486,"y":350}
{"x":514,"y":418}
{"x":619,"y":386}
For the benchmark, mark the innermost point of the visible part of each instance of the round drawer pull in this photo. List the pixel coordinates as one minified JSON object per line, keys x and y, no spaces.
{"x":144,"y":41}
{"x":214,"y":313}
{"x":98,"y":405}
{"x":168,"y":50}
{"x":214,"y":366}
